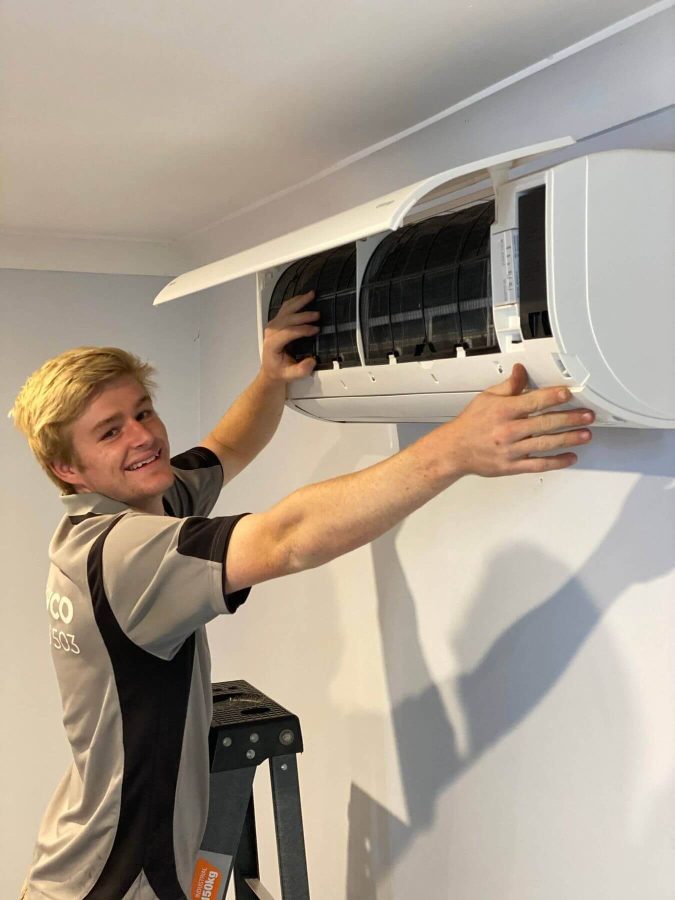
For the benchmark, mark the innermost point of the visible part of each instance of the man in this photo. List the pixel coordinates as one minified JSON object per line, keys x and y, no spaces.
{"x":137,"y":570}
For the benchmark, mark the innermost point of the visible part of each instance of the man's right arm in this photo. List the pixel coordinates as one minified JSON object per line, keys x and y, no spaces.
{"x":495,"y":435}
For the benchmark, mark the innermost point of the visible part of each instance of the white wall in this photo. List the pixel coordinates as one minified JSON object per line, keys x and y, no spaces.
{"x":42,"y":314}
{"x":486,"y":692}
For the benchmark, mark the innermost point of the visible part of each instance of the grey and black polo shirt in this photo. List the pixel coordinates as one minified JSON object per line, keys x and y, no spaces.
{"x":128,"y":596}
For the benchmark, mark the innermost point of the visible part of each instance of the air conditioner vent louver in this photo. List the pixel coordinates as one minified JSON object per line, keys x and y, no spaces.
{"x":332,"y":275}
{"x":426,"y":290}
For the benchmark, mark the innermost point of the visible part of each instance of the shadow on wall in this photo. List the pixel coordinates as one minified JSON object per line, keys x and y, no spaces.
{"x":504,"y":686}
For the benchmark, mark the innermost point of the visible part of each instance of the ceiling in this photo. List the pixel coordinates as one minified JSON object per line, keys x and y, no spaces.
{"x":154,"y":119}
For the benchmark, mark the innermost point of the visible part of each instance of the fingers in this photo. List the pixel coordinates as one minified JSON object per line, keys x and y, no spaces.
{"x":543,"y":463}
{"x":515,"y":384}
{"x":300,"y":318}
{"x":522,"y":452}
{"x":291,"y":315}
{"x":546,"y":443}
{"x":520,"y":429}
{"x":302,"y":369}
{"x":291,"y":371}
{"x":539,"y":400}
{"x":290,"y":323}
{"x":283,"y":336}
{"x":293,"y":304}
{"x":525,"y":404}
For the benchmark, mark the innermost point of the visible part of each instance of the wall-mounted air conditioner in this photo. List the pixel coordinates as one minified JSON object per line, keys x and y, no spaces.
{"x":430,"y":294}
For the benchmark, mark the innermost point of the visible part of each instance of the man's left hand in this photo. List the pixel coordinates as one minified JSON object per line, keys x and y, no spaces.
{"x":290,"y":323}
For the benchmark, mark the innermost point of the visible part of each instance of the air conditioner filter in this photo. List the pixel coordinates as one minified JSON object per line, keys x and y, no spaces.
{"x":426,"y":290}
{"x":332,"y":275}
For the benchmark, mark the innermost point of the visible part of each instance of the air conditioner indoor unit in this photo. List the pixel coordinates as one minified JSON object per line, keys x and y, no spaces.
{"x":429,"y":294}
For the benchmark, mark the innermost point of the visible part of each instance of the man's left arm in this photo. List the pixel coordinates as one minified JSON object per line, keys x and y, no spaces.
{"x":253,"y":418}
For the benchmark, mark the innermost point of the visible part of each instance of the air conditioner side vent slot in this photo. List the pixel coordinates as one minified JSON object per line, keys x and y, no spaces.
{"x":534,"y":318}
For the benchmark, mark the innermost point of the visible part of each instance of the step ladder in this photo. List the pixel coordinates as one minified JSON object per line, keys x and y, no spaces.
{"x":248,"y":728}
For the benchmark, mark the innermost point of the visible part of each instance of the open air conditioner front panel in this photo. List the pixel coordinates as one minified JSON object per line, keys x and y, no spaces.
{"x":375,"y":217}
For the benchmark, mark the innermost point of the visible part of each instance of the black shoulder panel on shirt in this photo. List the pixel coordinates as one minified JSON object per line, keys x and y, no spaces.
{"x":208,"y":539}
{"x":197,"y":458}
{"x":153,"y":696}
{"x":204,"y":538}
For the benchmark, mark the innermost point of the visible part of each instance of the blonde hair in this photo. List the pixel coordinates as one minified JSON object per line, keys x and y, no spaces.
{"x":57,"y":393}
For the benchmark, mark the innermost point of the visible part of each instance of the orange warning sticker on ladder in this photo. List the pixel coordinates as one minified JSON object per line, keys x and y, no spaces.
{"x":207,"y":881}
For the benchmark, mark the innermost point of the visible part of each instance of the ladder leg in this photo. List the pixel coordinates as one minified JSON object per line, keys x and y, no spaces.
{"x":246,"y":860}
{"x":290,"y":835}
{"x":230,"y":794}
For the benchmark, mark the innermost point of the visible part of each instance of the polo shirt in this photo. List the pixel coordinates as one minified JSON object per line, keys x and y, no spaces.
{"x":128,"y":595}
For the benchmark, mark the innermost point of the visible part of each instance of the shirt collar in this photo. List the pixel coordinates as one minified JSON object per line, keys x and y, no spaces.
{"x":97,"y":504}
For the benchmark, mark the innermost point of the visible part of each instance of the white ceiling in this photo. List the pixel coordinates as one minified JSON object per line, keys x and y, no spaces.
{"x":153,"y":119}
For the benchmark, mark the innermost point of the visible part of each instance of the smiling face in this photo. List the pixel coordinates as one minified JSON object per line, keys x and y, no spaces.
{"x":120,"y":448}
